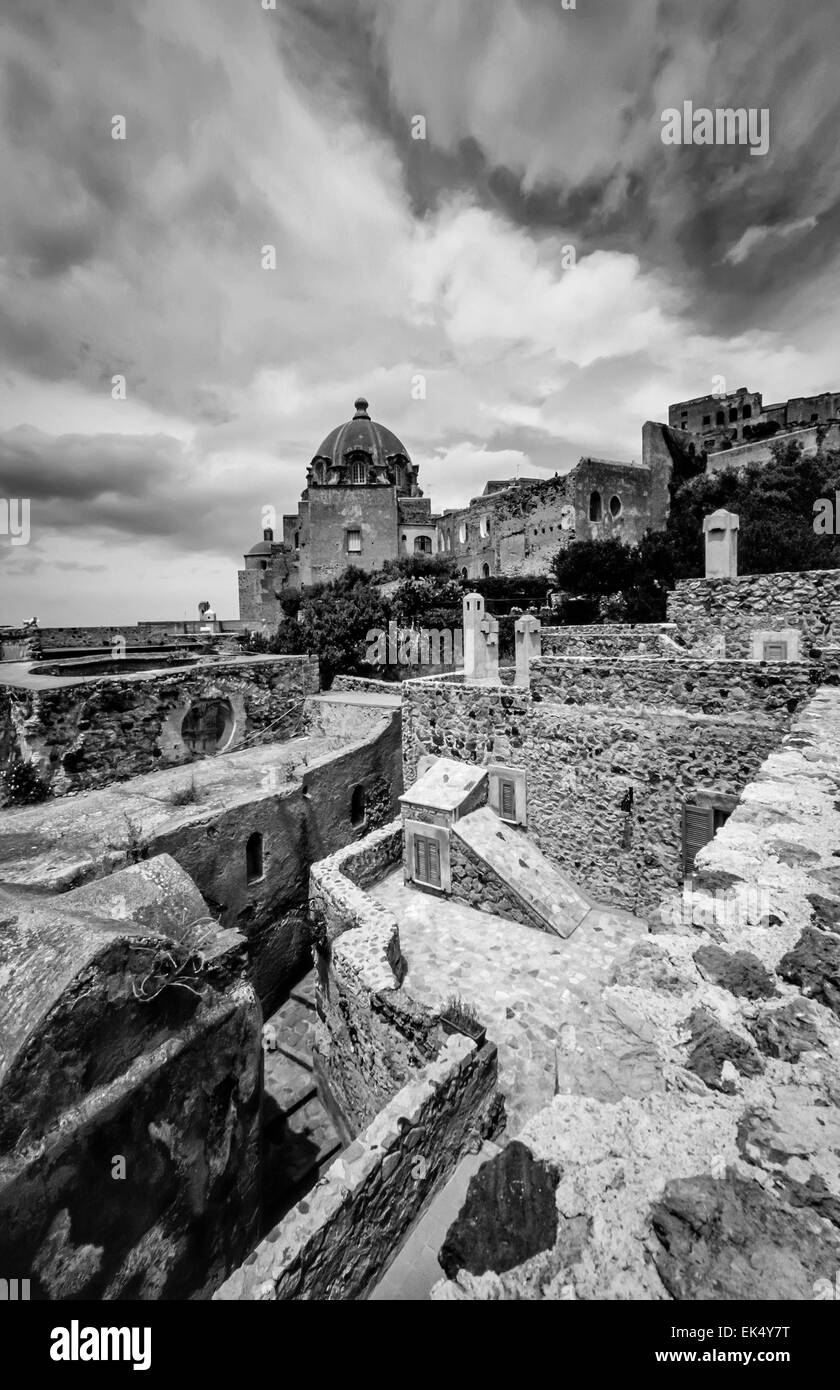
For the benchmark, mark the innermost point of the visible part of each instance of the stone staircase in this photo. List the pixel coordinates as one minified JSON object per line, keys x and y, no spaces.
{"x":299,"y":1137}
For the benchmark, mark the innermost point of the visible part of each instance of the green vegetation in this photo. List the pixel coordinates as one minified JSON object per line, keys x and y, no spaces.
{"x":23,"y":785}
{"x":461,"y":1014}
{"x":775,"y":503}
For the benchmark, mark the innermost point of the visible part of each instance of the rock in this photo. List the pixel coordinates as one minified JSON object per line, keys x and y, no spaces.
{"x":787,"y":1032}
{"x":648,"y":967}
{"x":615,"y":1056}
{"x":814,"y":965}
{"x":729,"y":1239}
{"x":741,"y":973}
{"x":713,"y":1046}
{"x":510,"y":1214}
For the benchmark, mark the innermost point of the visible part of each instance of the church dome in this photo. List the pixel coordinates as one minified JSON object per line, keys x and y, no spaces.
{"x":262,"y":548}
{"x":362,"y":436}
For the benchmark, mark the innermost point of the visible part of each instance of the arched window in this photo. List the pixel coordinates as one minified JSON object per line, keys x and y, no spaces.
{"x":254,"y":858}
{"x":464,"y":574}
{"x":422,"y":544}
{"x":596,"y":510}
{"x":357,"y":806}
{"x":462,"y":532}
{"x":486,"y":571}
{"x":297,"y":540}
{"x":359,"y":471}
{"x":615,"y":506}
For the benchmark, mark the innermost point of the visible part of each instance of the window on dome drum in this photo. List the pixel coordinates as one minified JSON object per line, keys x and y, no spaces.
{"x":354,"y":542}
{"x":357,"y":806}
{"x":615,"y":506}
{"x":595,"y":507}
{"x":254,"y":868}
{"x":359,"y":472}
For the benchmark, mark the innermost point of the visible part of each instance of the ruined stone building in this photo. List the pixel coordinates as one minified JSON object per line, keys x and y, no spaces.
{"x":718,"y":421}
{"x":362,"y":506}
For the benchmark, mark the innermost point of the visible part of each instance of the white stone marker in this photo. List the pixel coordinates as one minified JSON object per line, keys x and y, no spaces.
{"x":721,"y":532}
{"x":481,"y":643}
{"x":528,"y":633}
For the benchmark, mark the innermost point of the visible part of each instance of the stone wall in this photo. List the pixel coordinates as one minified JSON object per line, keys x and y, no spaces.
{"x":586,"y":737}
{"x":337,"y":1242}
{"x":371,"y":1037}
{"x":696,"y":1129}
{"x":610,"y":639}
{"x":108,"y":730}
{"x":705,"y":609}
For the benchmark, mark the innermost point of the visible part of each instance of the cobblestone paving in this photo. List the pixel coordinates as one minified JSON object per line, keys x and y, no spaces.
{"x":525,"y":985}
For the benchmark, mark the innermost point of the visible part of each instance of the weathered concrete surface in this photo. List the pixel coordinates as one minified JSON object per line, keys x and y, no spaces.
{"x":730,"y":1186}
{"x":130,"y":1065}
{"x":535,"y":992}
{"x":530,"y":887}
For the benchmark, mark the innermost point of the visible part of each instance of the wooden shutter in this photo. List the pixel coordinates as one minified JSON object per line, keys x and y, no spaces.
{"x":507,"y":798}
{"x":427,"y":861}
{"x":698,"y":830}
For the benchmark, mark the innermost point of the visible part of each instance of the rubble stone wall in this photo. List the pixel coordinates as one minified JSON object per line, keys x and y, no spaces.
{"x":704,"y":609}
{"x":108,"y":730}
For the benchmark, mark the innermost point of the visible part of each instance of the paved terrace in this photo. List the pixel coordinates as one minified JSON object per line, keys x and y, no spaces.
{"x":25,"y":675}
{"x":60,"y":843}
{"x":525,"y":985}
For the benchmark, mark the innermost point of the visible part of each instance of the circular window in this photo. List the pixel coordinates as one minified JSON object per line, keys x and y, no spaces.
{"x":207,"y":726}
{"x":615,"y":506}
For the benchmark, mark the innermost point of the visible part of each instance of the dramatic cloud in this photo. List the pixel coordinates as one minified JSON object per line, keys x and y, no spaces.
{"x":446,"y":257}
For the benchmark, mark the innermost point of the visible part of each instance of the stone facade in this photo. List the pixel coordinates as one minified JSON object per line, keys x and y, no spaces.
{"x":732,"y":610}
{"x":610,"y":639}
{"x":715,"y":422}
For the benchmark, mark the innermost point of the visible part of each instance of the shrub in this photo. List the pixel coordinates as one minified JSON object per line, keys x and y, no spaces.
{"x":457,"y":1011}
{"x":23,"y":784}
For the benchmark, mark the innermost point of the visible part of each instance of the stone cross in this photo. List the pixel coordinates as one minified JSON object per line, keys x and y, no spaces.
{"x":528,"y":636}
{"x":481,"y":643}
{"x":721,"y":532}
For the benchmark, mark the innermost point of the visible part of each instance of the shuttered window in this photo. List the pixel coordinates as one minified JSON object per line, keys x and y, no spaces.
{"x":427,"y":861}
{"x":775,"y":651}
{"x":698,"y":830}
{"x":507,"y":800}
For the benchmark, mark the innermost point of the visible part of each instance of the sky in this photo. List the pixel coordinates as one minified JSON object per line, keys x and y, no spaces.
{"x":432,"y":275}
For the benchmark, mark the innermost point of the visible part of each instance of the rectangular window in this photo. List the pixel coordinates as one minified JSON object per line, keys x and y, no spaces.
{"x":775,"y":651}
{"x":354,"y":542}
{"x":507,"y":800}
{"x":427,"y":861}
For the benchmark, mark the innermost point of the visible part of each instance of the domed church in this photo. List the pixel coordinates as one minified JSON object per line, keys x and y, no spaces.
{"x":361,"y":506}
